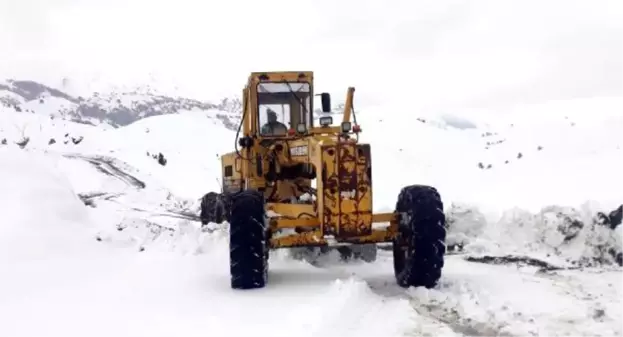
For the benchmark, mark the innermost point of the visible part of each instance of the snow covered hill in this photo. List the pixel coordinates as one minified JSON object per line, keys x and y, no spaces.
{"x":99,"y":238}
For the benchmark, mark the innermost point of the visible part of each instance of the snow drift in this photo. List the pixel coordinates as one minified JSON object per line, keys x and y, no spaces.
{"x":42,"y":218}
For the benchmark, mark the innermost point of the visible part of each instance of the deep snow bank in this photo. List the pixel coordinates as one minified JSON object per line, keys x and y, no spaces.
{"x":565,"y":236}
{"x":41,"y":216}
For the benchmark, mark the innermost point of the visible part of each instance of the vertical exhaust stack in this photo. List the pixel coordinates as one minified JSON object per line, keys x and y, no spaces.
{"x":348,"y":105}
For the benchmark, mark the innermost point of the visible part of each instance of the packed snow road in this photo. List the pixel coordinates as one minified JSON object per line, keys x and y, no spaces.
{"x":106,"y":293}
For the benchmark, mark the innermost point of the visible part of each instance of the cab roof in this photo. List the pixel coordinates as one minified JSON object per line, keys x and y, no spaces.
{"x":279,"y":76}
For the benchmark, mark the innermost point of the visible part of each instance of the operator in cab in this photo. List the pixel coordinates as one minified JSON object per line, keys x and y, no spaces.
{"x":273,"y":127}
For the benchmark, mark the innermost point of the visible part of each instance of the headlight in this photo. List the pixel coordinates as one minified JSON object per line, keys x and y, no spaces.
{"x":326,"y":121}
{"x":346,"y":126}
{"x":301,"y":128}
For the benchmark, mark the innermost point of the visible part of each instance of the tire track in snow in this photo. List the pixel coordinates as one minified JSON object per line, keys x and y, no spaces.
{"x":598,"y":291}
{"x":482,"y":300}
{"x":477,"y":299}
{"x":109,"y":167}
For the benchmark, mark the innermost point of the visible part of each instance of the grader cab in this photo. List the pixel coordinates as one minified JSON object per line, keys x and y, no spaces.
{"x":292,"y":183}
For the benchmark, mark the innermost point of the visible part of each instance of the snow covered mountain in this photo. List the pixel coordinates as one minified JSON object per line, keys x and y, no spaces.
{"x":112,"y":108}
{"x":100,"y":237}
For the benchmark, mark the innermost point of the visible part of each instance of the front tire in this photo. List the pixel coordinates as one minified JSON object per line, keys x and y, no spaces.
{"x":420,"y":246}
{"x":248,"y":248}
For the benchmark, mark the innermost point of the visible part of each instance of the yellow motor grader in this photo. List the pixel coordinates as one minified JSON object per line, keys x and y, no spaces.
{"x":295,"y":180}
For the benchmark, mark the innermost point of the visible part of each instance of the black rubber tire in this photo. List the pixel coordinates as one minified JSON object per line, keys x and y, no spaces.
{"x":420,"y":246}
{"x":345,"y":252}
{"x":616,"y":217}
{"x":248,"y":241}
{"x":213,"y":208}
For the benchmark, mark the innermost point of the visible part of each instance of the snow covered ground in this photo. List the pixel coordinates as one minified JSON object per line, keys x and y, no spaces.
{"x":98,"y":239}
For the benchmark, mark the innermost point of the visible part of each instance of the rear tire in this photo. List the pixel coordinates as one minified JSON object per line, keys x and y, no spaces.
{"x":213,"y":208}
{"x":616,"y":217}
{"x":248,"y":241}
{"x":420,"y":246}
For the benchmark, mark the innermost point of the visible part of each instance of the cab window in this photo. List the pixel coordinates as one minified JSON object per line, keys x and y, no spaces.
{"x":282,"y":106}
{"x":274,"y":119}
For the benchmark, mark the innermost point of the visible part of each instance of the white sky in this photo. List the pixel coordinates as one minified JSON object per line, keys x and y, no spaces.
{"x":432,"y":54}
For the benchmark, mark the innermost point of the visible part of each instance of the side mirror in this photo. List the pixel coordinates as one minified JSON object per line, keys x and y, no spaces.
{"x":325,"y":98}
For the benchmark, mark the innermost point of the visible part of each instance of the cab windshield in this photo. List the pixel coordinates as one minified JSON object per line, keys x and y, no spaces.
{"x":282,"y":106}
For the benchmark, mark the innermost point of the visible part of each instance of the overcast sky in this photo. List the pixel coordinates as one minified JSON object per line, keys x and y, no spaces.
{"x":434,"y":54}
